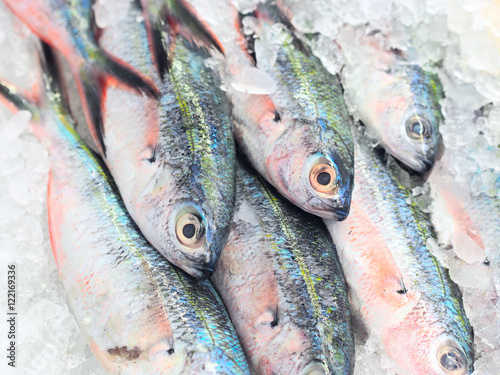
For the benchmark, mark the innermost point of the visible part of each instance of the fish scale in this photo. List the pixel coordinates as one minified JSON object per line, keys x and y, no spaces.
{"x":398,"y":287}
{"x":319,"y":93}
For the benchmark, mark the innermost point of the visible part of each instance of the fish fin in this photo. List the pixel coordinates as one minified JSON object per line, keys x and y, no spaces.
{"x":156,"y":39}
{"x":123,"y":72}
{"x":89,"y":86}
{"x":192,"y":26}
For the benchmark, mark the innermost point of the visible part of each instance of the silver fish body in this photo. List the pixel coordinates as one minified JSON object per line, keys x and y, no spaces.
{"x":172,"y":158}
{"x":298,"y":137}
{"x":282,"y":283}
{"x":399,"y":289}
{"x":395,"y":98}
{"x":141,"y":315}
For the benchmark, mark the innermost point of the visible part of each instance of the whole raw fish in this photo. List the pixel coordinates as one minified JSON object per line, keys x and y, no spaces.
{"x":294,"y":129}
{"x":395,"y":98}
{"x":141,"y":315}
{"x":401,"y":292}
{"x":282,"y":283}
{"x":298,"y":137}
{"x":172,"y":158}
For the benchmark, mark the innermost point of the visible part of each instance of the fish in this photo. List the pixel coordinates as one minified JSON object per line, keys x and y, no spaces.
{"x":172,"y":158}
{"x":399,"y":104}
{"x":139,"y":313}
{"x":298,"y":135}
{"x":281,"y":281}
{"x":398,"y":289}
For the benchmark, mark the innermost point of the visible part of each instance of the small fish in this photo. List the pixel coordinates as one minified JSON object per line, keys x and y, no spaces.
{"x":399,"y":289}
{"x":172,"y":158}
{"x":282,"y":282}
{"x":299,"y":136}
{"x":140,"y":314}
{"x":395,"y":98}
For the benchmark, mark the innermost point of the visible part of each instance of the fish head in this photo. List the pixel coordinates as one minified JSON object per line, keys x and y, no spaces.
{"x":312,"y":176}
{"x":405,"y":118}
{"x":196,"y":239}
{"x":430,"y":342}
{"x":184,"y":229}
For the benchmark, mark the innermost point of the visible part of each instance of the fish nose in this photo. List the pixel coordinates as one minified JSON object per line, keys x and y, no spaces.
{"x":341,"y":215}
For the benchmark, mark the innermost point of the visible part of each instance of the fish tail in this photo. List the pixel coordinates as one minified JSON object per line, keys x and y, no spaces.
{"x":192,"y":26}
{"x":90,"y":90}
{"x":155,"y":33}
{"x":123,"y":72}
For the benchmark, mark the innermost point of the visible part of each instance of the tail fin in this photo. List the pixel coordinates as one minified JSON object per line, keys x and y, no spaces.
{"x":89,"y":85}
{"x":112,"y":65}
{"x":125,"y":73}
{"x":155,"y":31}
{"x":197,"y":29}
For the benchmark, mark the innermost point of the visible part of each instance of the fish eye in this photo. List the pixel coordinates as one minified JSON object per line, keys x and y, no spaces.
{"x":323,"y":178}
{"x":451,"y":359}
{"x":190,"y":230}
{"x":418,"y":127}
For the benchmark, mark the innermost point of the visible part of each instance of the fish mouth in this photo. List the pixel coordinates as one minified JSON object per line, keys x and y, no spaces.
{"x":199,"y":273}
{"x":333,"y":214}
{"x":314,"y":368}
{"x":419,"y":165}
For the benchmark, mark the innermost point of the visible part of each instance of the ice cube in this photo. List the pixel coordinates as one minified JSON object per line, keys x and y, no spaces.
{"x":254,"y":81}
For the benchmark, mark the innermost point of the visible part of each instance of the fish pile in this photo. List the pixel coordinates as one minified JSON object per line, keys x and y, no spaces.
{"x":216,"y":206}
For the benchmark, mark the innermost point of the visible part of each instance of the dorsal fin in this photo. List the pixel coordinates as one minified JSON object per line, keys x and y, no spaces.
{"x":192,"y":25}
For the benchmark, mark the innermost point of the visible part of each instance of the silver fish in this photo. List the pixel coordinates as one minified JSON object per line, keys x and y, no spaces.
{"x":298,"y":137}
{"x":141,"y":315}
{"x":395,"y":98}
{"x":282,"y":283}
{"x":401,"y":292}
{"x":172,"y":158}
